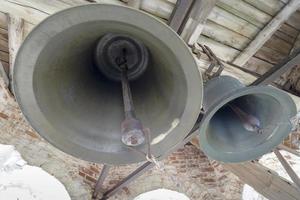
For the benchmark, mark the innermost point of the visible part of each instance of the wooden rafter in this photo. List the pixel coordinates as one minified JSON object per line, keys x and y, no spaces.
{"x":265,"y":181}
{"x":195,"y":23}
{"x":15,"y":38}
{"x":262,"y":179}
{"x":266,"y":32}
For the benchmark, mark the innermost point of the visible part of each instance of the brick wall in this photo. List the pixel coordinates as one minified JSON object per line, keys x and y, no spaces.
{"x":187,"y":170}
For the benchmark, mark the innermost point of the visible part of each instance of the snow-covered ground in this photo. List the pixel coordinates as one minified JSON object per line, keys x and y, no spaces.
{"x":19,"y":181}
{"x":162,"y":194}
{"x":271,"y":161}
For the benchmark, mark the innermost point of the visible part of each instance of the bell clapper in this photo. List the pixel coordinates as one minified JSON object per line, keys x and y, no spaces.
{"x":133,"y":132}
{"x":132,"y":128}
{"x":250,"y":122}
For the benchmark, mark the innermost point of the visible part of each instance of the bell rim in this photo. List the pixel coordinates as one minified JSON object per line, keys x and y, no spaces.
{"x":22,"y":92}
{"x":235,"y":157}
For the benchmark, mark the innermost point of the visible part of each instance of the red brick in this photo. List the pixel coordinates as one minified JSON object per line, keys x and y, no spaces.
{"x":209,"y":180}
{"x":207,"y":169}
{"x":172,"y":158}
{"x":94,"y":169}
{"x":32,"y":134}
{"x":4,"y":116}
{"x":93,"y":180}
{"x":87,"y":171}
{"x":81,"y":174}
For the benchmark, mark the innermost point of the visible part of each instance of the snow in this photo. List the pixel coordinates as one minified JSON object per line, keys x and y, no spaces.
{"x":270,"y":160}
{"x":19,"y":181}
{"x":162,"y":194}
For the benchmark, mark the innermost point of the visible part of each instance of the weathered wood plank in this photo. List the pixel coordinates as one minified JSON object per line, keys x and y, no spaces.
{"x":3,"y":45}
{"x":5,"y":66}
{"x":279,"y":45}
{"x":3,"y":34}
{"x":3,"y":21}
{"x":269,"y":55}
{"x":4,"y":81}
{"x":264,"y":181}
{"x":198,"y":16}
{"x":4,"y":56}
{"x":289,"y":30}
{"x":258,"y":65}
{"x":245,"y":11}
{"x":284,"y":36}
{"x":233,"y":22}
{"x":158,"y":8}
{"x":179,"y":14}
{"x":15,"y":38}
{"x":270,"y":7}
{"x":224,"y":35}
{"x":266,"y":32}
{"x":294,"y":20}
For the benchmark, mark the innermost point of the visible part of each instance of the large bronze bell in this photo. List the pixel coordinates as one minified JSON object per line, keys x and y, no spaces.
{"x":64,"y":82}
{"x":243,"y":123}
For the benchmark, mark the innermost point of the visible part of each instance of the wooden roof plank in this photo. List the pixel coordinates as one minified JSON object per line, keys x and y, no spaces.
{"x":245,"y":11}
{"x":264,"y":35}
{"x":225,"y":36}
{"x":271,"y":7}
{"x":233,"y":22}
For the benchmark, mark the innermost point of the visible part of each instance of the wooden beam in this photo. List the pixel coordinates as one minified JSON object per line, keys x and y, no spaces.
{"x":5,"y":83}
{"x":264,"y":181}
{"x":266,"y":32}
{"x":15,"y":38}
{"x":179,"y":15}
{"x":158,"y":8}
{"x":195,"y":23}
{"x":279,"y":69}
{"x":4,"y":75}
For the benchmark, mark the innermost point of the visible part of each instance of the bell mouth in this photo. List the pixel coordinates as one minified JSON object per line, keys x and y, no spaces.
{"x":79,"y":110}
{"x":226,"y":136}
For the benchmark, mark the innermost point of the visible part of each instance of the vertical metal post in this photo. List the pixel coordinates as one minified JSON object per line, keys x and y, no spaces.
{"x":99,"y":184}
{"x":288,"y":168}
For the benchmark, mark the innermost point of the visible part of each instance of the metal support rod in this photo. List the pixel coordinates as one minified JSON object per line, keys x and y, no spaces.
{"x":280,"y":68}
{"x":288,"y":168}
{"x":139,"y":171}
{"x":180,"y":15}
{"x":99,"y":184}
